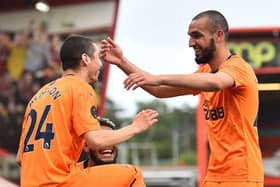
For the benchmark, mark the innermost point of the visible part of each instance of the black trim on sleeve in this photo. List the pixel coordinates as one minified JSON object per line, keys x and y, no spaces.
{"x":132,"y":182}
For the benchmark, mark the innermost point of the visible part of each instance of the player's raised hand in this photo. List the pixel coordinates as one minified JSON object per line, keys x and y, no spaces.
{"x":135,"y":80}
{"x":111,"y":52}
{"x":144,"y":120}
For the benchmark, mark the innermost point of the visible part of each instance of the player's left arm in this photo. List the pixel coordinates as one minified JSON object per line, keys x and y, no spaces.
{"x":18,"y":157}
{"x":195,"y":81}
{"x":21,"y":144}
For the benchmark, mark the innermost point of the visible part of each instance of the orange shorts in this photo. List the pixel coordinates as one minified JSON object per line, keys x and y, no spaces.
{"x":119,"y":175}
{"x":233,"y":184}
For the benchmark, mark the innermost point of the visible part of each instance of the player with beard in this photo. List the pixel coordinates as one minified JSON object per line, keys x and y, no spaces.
{"x":229,"y":89}
{"x":108,"y":156}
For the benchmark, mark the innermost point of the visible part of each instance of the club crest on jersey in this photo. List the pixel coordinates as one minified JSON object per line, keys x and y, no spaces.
{"x":93,"y":111}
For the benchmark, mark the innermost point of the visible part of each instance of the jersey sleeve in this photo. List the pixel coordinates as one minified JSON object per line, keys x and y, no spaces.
{"x":237,"y":70}
{"x":139,"y":179}
{"x":85,"y":111}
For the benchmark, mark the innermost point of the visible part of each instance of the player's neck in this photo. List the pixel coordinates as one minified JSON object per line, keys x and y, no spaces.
{"x":219,"y":58}
{"x":71,"y":72}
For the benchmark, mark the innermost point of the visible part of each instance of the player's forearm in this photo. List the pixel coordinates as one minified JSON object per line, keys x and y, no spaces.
{"x":18,"y":157}
{"x":196,"y":81}
{"x":165,"y":91}
{"x":127,"y":67}
{"x":103,"y":138}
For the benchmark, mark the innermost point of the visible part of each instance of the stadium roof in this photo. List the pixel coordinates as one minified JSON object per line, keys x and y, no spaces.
{"x":15,"y":5}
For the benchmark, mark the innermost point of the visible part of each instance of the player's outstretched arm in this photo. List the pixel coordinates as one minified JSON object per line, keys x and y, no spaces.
{"x":18,"y":157}
{"x":194,"y":81}
{"x":102,"y":138}
{"x":113,"y":54}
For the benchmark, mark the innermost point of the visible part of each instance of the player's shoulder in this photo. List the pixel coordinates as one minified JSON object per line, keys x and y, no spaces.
{"x":73,"y":83}
{"x":127,"y":167}
{"x":237,"y":60}
{"x":132,"y":168}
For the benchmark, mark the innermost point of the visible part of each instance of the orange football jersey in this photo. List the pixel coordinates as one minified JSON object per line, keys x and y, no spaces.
{"x":51,"y":142}
{"x":231,"y":116}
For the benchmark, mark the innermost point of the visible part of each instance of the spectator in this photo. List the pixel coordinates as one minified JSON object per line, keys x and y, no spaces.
{"x":16,"y":59}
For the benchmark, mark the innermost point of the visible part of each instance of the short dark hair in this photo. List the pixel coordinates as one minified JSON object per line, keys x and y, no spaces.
{"x":72,"y":49}
{"x":106,"y":122}
{"x":216,"y":21}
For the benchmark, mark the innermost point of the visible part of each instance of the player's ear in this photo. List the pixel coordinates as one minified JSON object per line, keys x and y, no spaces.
{"x":219,"y":35}
{"x":85,"y":58}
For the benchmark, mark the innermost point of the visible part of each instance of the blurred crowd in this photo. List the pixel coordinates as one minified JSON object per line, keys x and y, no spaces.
{"x":28,"y":59}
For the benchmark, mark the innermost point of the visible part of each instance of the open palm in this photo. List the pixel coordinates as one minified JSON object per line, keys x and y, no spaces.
{"x":111,"y":52}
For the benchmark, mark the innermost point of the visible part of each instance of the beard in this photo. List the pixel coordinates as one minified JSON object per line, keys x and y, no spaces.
{"x":207,"y":53}
{"x":98,"y":161}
